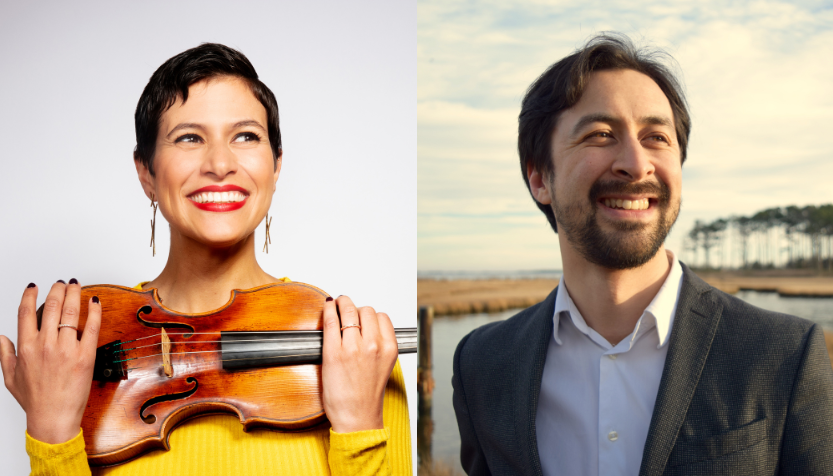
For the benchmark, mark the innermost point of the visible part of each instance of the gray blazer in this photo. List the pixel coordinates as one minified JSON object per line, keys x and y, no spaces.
{"x":744,"y":391}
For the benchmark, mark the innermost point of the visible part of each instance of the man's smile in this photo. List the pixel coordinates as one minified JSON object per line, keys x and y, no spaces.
{"x":626,"y":203}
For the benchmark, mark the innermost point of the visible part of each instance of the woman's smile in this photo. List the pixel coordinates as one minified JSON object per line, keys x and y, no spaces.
{"x":219,"y":198}
{"x":215,"y":167}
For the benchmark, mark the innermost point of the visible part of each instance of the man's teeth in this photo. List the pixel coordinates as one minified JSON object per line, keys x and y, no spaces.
{"x":218,"y":197}
{"x":641,"y":204}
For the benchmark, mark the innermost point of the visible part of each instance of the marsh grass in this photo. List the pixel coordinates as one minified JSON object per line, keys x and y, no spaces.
{"x":438,"y":468}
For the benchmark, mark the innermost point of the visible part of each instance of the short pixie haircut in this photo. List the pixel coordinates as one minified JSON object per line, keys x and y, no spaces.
{"x":562,"y":85}
{"x":171,"y":81}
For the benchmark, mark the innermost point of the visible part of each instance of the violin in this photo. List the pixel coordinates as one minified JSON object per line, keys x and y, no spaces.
{"x":258,"y":357}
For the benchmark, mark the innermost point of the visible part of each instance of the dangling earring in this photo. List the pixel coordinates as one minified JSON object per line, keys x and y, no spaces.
{"x":268,"y":239}
{"x":153,"y":224}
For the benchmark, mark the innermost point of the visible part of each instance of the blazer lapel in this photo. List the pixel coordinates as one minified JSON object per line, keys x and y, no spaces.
{"x":695,"y":324}
{"x":529,"y":371}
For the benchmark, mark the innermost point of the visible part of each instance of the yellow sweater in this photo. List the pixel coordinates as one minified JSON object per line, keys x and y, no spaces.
{"x":217,"y":445}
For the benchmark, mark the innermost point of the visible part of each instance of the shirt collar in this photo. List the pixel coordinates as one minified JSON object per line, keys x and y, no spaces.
{"x":662,"y":308}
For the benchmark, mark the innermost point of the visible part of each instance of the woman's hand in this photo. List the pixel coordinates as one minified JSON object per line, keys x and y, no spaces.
{"x":356,"y":365}
{"x":51,"y":375}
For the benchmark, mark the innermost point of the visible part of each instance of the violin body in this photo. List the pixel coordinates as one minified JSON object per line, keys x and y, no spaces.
{"x":142,"y":388}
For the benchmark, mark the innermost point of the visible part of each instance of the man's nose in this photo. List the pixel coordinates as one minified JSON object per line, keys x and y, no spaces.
{"x":633,"y":163}
{"x":220,"y":160}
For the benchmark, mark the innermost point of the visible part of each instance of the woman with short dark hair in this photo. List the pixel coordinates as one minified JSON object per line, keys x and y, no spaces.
{"x":209,"y":155}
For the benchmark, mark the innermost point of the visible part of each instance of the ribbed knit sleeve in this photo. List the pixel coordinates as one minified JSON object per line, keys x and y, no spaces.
{"x":377,"y":452}
{"x":64,"y":459}
{"x":362,"y":453}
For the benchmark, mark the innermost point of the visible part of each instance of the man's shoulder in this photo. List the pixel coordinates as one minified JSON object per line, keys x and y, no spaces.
{"x":502,"y":340}
{"x":762,"y":324}
{"x":746,"y":321}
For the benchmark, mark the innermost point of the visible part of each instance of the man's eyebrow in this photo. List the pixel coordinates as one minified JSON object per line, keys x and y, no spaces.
{"x":601,"y":117}
{"x":657,"y":121}
{"x":589,"y":119}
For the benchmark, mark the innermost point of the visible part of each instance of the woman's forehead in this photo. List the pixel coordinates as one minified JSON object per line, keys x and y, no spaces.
{"x":216,"y":101}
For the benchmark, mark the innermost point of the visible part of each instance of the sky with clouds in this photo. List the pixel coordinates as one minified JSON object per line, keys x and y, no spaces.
{"x":757,"y":76}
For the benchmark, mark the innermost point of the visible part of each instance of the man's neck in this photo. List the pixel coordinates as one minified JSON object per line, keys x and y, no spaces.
{"x":612,"y":301}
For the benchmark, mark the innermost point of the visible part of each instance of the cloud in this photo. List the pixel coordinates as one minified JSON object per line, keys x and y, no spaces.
{"x":756,"y":76}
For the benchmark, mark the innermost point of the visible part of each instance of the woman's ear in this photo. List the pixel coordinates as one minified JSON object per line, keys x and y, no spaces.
{"x":278,"y":162}
{"x":145,"y":178}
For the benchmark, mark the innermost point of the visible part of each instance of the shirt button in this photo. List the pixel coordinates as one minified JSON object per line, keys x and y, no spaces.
{"x":612,"y":356}
{"x":613,"y":436}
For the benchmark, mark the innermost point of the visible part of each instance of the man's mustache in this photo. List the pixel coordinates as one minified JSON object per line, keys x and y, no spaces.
{"x":610,"y":187}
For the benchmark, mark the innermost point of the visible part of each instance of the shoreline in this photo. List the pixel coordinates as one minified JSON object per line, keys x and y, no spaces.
{"x":456,"y":297}
{"x":471,"y":296}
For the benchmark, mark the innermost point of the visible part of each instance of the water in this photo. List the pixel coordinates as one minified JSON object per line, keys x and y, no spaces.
{"x":448,"y":331}
{"x":459,"y":275}
{"x":819,"y":310}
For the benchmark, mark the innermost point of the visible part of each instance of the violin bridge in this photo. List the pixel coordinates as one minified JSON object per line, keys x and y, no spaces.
{"x":166,"y":354}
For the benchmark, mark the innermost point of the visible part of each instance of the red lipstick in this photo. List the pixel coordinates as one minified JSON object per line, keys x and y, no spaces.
{"x":220,"y":207}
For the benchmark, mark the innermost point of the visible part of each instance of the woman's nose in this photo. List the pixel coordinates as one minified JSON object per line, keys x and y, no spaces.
{"x":220,"y":160}
{"x":632,"y":163}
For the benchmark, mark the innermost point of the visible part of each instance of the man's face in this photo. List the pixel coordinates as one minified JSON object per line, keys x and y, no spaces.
{"x":617,"y":182}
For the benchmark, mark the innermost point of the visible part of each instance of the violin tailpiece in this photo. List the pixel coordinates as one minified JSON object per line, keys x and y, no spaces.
{"x":109,"y":366}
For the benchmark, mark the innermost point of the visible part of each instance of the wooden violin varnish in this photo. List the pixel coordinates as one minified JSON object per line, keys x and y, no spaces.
{"x":258,"y":357}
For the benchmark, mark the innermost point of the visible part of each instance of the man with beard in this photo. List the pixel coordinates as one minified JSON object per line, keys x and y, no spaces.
{"x":632,"y":365}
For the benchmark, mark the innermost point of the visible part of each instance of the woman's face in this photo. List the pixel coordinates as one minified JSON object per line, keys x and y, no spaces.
{"x":215,"y":172}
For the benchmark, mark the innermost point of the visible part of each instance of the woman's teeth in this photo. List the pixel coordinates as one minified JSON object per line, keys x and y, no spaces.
{"x":641,"y":204}
{"x":218,"y":197}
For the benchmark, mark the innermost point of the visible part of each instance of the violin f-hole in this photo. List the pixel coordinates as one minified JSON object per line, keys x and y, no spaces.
{"x":149,"y":419}
{"x":159,"y":325}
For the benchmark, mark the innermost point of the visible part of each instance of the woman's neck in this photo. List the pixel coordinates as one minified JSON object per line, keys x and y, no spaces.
{"x":198,"y":279}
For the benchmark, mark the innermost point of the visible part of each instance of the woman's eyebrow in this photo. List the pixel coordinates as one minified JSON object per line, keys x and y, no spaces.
{"x":185,"y":125}
{"x":236,"y":125}
{"x":249,"y":122}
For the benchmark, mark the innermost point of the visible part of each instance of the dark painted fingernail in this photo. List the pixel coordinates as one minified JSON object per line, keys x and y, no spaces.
{"x":31,"y":285}
{"x":95,"y":299}
{"x":328,"y":297}
{"x":73,"y":281}
{"x":61,"y":281}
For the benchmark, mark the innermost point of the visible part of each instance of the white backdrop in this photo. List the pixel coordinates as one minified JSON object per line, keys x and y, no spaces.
{"x":344,"y":74}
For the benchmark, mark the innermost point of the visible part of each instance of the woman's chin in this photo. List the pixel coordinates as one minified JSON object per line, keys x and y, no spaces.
{"x":221,"y":240}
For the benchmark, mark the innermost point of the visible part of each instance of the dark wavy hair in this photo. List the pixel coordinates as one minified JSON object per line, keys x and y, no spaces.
{"x":171,"y":81}
{"x":562,"y":85}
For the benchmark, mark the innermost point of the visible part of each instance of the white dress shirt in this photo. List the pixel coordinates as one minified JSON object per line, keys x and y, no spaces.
{"x":597,"y":399}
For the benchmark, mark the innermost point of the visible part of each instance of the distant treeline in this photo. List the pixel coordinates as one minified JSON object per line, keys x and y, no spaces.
{"x":788,"y":237}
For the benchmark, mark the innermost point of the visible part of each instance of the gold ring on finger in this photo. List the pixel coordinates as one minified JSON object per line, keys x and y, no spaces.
{"x":66,"y":325}
{"x":352,"y":325}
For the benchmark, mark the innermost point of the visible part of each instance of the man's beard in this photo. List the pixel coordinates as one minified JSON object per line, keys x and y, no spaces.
{"x":632,"y":244}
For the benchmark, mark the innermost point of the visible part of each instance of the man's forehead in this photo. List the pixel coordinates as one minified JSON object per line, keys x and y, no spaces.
{"x":617,"y":96}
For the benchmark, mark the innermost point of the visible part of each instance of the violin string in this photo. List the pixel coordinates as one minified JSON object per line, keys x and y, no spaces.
{"x":193,"y":333}
{"x":187,"y":333}
{"x":200,"y":352}
{"x":231,"y":360}
{"x":169,"y":333}
{"x":208,"y":342}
